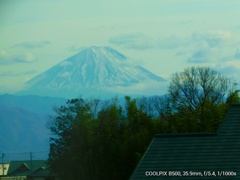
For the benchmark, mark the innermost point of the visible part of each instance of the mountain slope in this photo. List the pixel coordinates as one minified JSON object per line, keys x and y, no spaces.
{"x":24,"y":121}
{"x":22,"y":130}
{"x":33,"y":103}
{"x":90,"y":72}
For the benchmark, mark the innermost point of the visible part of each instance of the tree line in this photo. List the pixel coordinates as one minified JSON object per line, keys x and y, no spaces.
{"x":96,"y":139}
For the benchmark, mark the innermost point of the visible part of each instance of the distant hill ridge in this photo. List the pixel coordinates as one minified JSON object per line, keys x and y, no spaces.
{"x":24,"y":122}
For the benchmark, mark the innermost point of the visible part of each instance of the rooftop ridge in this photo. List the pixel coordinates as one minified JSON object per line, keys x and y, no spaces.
{"x":194,"y":152}
{"x":233,"y":110}
{"x":186,"y":134}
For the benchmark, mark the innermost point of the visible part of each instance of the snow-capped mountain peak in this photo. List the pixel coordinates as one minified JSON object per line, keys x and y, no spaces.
{"x":92,"y":70}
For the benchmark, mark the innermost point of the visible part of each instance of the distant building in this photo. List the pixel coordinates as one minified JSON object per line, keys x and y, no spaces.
{"x":4,"y":169}
{"x":28,"y":170}
{"x":195,"y":156}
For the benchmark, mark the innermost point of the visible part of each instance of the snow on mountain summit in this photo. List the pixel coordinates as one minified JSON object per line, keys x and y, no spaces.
{"x":91,"y":71}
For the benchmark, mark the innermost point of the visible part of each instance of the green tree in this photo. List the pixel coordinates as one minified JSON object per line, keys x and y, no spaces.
{"x":103,"y":144}
{"x":72,"y":139}
{"x":108,"y":139}
{"x":233,"y":97}
{"x":195,"y":96}
{"x":139,"y":132}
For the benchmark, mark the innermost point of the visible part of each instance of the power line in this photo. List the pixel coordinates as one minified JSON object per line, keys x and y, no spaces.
{"x":12,"y":156}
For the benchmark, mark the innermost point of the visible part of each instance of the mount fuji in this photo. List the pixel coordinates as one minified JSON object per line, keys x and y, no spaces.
{"x":94,"y":71}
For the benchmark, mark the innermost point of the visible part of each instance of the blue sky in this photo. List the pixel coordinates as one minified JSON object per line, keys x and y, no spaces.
{"x":163,"y":36}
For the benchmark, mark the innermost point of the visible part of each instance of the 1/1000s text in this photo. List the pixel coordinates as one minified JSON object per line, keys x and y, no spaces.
{"x":191,"y":173}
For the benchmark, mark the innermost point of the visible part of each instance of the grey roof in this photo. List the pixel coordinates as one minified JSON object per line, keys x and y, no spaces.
{"x":24,"y":168}
{"x":41,"y":172}
{"x":195,"y":153}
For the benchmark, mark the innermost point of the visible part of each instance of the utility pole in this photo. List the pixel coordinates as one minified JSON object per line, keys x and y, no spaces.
{"x":3,"y":164}
{"x":31,"y":161}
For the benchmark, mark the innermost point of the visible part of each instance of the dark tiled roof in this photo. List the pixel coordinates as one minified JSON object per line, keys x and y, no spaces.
{"x":215,"y":152}
{"x":24,"y":168}
{"x":41,"y":172}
